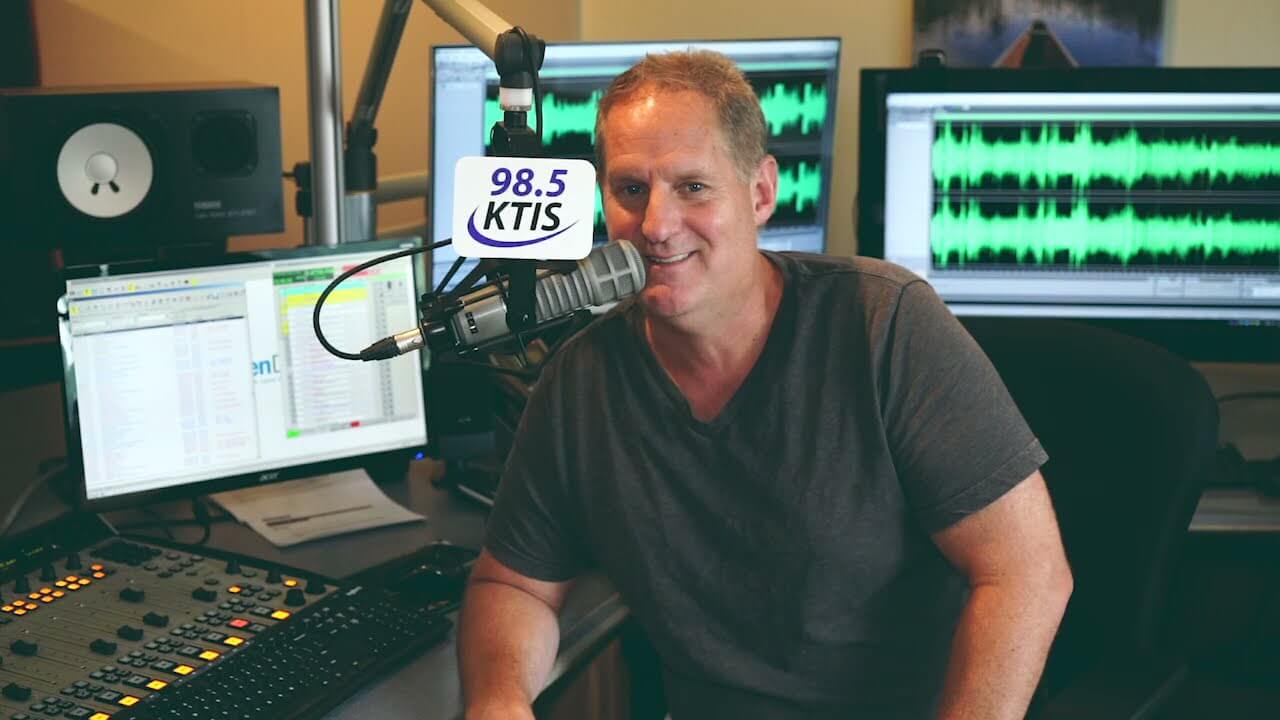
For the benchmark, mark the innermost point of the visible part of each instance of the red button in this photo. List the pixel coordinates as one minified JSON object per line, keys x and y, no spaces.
{"x":238,"y":623}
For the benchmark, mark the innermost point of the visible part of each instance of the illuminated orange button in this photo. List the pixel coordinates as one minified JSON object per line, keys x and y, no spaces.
{"x":291,"y":583}
{"x":157,"y":685}
{"x":61,"y":583}
{"x":128,"y":701}
{"x":45,"y":591}
{"x":99,"y":575}
{"x":234,"y":589}
{"x":74,"y":578}
{"x":84,"y":581}
{"x":210,"y":655}
{"x":183,"y":670}
{"x":99,"y":716}
{"x":31,"y":606}
{"x":233,"y":641}
{"x":73,"y":586}
{"x":7,"y":608}
{"x":46,"y":599}
{"x":34,"y":596}
{"x":58,"y":593}
{"x":97,"y":567}
{"x":281,"y":615}
{"x":19,"y":612}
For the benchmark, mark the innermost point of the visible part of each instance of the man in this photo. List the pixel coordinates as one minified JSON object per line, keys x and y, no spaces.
{"x":802,"y":475}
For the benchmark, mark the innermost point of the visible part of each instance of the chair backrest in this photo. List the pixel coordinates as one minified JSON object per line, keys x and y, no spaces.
{"x":1131,"y":432}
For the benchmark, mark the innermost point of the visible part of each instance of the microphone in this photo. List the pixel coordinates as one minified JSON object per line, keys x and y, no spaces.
{"x":609,"y":273}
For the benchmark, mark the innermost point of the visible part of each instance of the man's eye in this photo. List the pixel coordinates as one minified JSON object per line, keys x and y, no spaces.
{"x":632,"y":189}
{"x":696,"y":187}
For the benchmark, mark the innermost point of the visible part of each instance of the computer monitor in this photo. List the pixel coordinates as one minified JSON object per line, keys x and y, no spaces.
{"x":795,"y":79}
{"x":1147,"y":200}
{"x":182,"y":380}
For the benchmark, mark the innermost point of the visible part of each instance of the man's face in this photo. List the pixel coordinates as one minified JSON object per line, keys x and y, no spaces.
{"x":671,"y":188}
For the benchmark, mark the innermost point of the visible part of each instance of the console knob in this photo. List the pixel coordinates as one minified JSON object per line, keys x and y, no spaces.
{"x":155,"y":619}
{"x":274,"y":576}
{"x":48,"y":574}
{"x":204,"y":594}
{"x":294,"y":598}
{"x":73,"y":561}
{"x":103,"y":647}
{"x":133,"y":595}
{"x":128,"y":632}
{"x":314,"y":586}
{"x":233,"y":567}
{"x":23,"y":647}
{"x":22,"y":585}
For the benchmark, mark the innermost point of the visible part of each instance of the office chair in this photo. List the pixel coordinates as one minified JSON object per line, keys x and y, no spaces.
{"x":1131,"y":432}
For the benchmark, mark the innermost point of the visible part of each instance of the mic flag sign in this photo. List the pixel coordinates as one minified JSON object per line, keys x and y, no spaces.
{"x":525,"y":208}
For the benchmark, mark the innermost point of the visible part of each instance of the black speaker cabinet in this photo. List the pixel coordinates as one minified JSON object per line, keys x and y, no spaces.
{"x":111,"y":173}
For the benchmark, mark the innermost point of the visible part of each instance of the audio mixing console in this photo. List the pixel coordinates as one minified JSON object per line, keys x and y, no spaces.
{"x":94,"y":626}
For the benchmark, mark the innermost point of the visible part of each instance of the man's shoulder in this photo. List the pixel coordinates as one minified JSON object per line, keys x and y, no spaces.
{"x":869,"y":278}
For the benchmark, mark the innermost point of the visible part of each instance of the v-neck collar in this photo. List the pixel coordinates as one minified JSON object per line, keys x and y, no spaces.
{"x":780,"y":331}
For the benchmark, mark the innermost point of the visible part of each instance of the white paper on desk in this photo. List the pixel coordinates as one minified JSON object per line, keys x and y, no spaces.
{"x":296,"y":511}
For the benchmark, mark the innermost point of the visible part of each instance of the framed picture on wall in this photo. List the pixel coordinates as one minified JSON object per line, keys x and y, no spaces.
{"x":1042,"y":33}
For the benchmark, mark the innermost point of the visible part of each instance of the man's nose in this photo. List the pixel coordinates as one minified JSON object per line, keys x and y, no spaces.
{"x":661,"y":216}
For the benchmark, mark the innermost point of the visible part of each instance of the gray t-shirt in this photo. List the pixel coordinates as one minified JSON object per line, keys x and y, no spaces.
{"x":778,"y":556}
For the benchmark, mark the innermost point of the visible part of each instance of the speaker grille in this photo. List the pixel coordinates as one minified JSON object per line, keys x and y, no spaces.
{"x":224,"y":143}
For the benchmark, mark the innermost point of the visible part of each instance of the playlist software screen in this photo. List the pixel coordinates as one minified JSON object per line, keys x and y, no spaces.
{"x":198,"y":374}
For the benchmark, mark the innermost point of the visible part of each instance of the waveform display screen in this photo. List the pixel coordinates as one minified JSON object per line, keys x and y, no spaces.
{"x":795,"y":79}
{"x":796,"y":108}
{"x":1094,"y":192}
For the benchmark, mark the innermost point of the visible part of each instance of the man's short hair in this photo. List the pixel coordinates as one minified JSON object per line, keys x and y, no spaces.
{"x":709,"y":74}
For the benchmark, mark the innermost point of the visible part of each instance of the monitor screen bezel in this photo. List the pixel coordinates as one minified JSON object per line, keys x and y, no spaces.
{"x":828,"y":174}
{"x":1198,"y":340}
{"x":71,"y":418}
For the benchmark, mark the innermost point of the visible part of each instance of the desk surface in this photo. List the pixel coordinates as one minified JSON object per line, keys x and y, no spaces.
{"x":426,"y":686}
{"x":1236,"y":510}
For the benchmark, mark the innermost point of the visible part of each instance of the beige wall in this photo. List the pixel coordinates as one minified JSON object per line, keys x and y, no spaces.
{"x":83,"y":42}
{"x":1206,"y":33}
{"x":874,"y":34}
{"x":877,"y":33}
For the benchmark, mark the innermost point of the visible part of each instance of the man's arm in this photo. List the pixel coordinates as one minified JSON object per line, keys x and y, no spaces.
{"x":507,"y":640}
{"x":1012,"y":553}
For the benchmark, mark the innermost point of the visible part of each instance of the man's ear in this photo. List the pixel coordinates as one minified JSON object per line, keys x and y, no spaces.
{"x":764,"y":190}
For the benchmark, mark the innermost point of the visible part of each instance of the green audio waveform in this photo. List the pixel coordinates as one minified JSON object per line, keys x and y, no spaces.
{"x":1125,"y":159}
{"x":1042,"y":234}
{"x":800,"y":185}
{"x":805,"y":107}
{"x":563,"y":116}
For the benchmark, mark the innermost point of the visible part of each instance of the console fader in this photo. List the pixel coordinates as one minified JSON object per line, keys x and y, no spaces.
{"x":96,"y":626}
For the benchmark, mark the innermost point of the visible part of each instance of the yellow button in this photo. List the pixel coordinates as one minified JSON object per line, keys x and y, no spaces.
{"x":73,"y":586}
{"x":291,"y":583}
{"x":233,"y":641}
{"x":128,"y":701}
{"x":210,"y":655}
{"x":157,"y":685}
{"x":99,"y":575}
{"x":58,"y":593}
{"x":184,"y":670}
{"x":7,"y":608}
{"x":84,"y":581}
{"x":95,"y":567}
{"x":99,"y":716}
{"x":233,"y":589}
{"x":46,"y":599}
{"x":74,"y":578}
{"x":45,"y":591}
{"x":281,"y":615}
{"x":34,"y":596}
{"x":19,"y":612}
{"x":61,"y":583}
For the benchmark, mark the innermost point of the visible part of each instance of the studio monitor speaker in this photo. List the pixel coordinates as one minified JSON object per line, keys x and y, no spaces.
{"x":110,"y":173}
